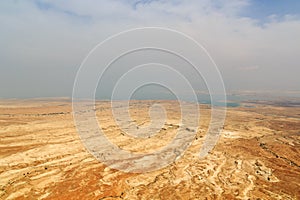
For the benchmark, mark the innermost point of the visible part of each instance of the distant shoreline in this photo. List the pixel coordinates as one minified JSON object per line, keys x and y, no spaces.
{"x":280,"y":102}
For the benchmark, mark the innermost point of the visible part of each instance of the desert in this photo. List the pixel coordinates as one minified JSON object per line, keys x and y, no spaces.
{"x":150,"y":100}
{"x":42,"y":156}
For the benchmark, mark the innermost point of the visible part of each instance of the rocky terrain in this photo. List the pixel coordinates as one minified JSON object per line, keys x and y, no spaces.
{"x":42,"y":157}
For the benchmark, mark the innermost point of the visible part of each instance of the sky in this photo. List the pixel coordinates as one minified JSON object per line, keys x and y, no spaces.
{"x":255,"y":43}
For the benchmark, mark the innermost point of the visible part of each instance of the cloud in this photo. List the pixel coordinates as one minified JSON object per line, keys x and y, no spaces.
{"x":249,"y":68}
{"x":54,"y":34}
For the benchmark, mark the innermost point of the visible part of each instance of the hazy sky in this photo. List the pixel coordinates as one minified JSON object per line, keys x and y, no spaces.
{"x":255,"y":43}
